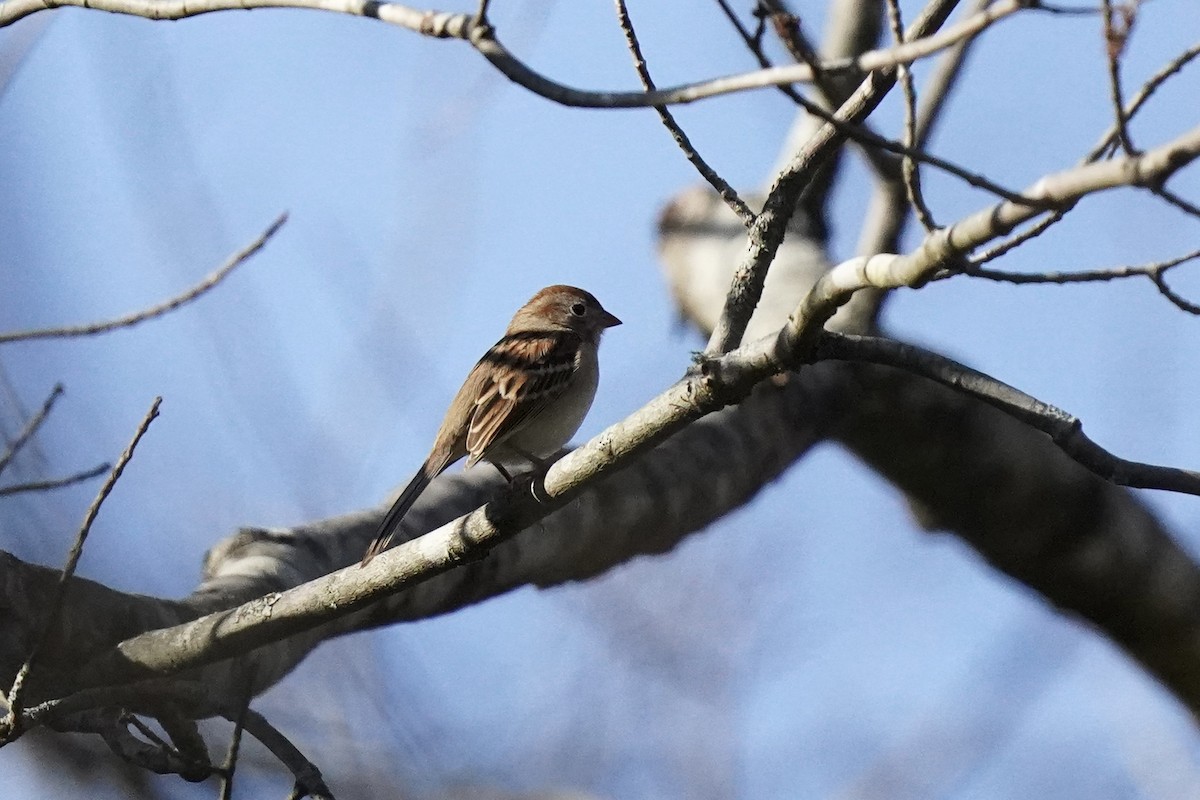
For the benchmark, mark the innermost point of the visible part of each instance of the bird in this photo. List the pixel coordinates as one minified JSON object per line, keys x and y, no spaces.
{"x":522,"y":401}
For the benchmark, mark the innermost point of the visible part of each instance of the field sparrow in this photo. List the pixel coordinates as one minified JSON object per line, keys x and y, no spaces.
{"x":525,"y":398}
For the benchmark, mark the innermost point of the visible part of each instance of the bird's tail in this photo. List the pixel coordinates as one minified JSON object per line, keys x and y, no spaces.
{"x":391,"y":522}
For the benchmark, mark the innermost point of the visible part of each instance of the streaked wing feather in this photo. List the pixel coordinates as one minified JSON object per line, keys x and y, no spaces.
{"x":530,"y":371}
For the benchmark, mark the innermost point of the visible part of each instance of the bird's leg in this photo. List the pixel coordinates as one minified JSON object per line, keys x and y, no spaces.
{"x":503,"y":472}
{"x":540,"y":467}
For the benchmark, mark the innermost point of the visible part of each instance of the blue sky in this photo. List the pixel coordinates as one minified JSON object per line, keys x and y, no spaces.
{"x":813,"y":644}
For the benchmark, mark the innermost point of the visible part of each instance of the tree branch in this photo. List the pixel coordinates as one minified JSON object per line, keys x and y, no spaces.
{"x":30,"y":428}
{"x":9,"y":726}
{"x":722,"y":187}
{"x":481,"y":36}
{"x":128,"y":321}
{"x":1065,"y":430}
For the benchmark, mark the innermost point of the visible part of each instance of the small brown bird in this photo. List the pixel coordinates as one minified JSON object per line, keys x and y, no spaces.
{"x":525,"y":398}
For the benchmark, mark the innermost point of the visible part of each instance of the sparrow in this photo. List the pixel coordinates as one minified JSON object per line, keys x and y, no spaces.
{"x":522,"y":401}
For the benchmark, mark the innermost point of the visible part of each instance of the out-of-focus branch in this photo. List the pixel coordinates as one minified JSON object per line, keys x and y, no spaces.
{"x":309,"y":782}
{"x":235,"y":261}
{"x":1087,"y":546}
{"x":30,"y":428}
{"x":54,"y":483}
{"x":648,"y":508}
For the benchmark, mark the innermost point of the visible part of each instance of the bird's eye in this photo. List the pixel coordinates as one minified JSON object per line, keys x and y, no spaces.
{"x":579,"y":309}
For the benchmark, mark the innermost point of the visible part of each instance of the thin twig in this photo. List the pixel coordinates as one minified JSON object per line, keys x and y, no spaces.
{"x":9,"y":726}
{"x":753,"y":42}
{"x":861,"y":133}
{"x":1107,"y":144}
{"x":908,"y":167}
{"x":308,"y":778}
{"x":235,"y":744}
{"x":1186,"y":206}
{"x":31,"y":427}
{"x":1154,"y":271}
{"x":1170,"y":69}
{"x":1064,"y":429}
{"x":1013,"y":242}
{"x":53,"y":483}
{"x":887,"y":213}
{"x":1081,"y":276}
{"x":236,"y":260}
{"x":1115,"y":38}
{"x":727,"y":192}
{"x":1170,"y":294}
{"x":1073,"y":11}
{"x":945,"y":247}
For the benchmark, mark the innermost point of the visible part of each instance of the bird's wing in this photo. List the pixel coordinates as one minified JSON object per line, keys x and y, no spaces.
{"x":528,"y":371}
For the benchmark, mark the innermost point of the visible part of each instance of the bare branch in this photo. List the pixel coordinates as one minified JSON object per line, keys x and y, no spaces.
{"x":887,"y":213}
{"x":1116,"y":36}
{"x":1154,"y":271}
{"x":1107,"y":142}
{"x":908,"y":168}
{"x":861,"y":133}
{"x":876,"y":60}
{"x":1064,"y":429}
{"x":54,"y":483}
{"x":727,"y":192}
{"x":1012,"y":243}
{"x":482,"y":37}
{"x":945,"y":248}
{"x":1169,"y":70}
{"x":1187,"y":207}
{"x":309,"y":782}
{"x":235,"y":744}
{"x":155,"y":755}
{"x":236,"y":260}
{"x":10,"y":725}
{"x":30,"y":428}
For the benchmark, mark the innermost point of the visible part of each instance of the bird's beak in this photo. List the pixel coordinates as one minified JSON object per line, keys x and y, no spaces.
{"x":607,"y":320}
